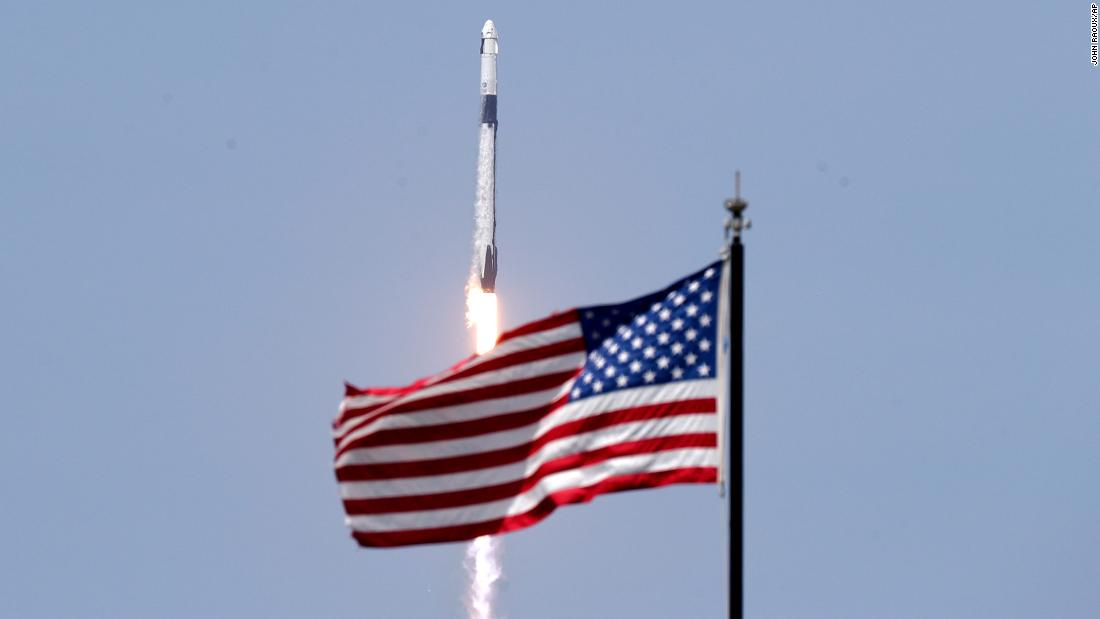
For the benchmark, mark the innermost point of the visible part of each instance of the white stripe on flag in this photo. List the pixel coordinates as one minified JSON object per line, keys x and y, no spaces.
{"x":516,"y":471}
{"x":363,"y":401}
{"x":564,"y":333}
{"x":460,"y":412}
{"x":588,"y":407}
{"x":525,"y":502}
{"x":523,"y":371}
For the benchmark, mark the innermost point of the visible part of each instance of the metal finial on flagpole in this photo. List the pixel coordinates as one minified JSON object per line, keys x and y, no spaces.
{"x":736,"y":207}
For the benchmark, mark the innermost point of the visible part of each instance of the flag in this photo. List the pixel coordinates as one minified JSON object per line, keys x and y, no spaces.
{"x":584,"y":402}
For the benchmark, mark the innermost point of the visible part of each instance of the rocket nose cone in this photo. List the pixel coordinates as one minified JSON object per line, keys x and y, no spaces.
{"x":489,"y":30}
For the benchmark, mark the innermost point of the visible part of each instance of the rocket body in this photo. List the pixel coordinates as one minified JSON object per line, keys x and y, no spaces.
{"x":486,"y":249}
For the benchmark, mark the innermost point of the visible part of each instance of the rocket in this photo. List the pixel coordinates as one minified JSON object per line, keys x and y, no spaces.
{"x":486,"y":249}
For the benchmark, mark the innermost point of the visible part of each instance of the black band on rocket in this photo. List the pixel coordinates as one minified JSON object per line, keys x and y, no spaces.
{"x":489,"y":109}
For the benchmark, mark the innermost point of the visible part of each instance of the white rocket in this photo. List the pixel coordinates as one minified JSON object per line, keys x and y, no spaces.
{"x":486,"y":256}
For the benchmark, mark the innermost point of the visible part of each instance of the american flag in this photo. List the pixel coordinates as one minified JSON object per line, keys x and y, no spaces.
{"x":592,"y":400}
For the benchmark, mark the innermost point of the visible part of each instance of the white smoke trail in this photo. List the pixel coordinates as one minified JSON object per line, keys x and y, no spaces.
{"x":485,"y":571}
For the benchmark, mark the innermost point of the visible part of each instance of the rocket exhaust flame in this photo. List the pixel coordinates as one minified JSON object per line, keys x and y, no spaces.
{"x":481,"y":562}
{"x":481,"y":308}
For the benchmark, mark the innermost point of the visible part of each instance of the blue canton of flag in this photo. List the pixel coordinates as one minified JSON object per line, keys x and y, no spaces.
{"x":667,"y":336}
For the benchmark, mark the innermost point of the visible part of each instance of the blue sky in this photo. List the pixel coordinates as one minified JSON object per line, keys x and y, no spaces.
{"x":211,"y":215}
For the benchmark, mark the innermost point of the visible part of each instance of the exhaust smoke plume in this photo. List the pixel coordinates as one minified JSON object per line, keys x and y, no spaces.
{"x":481,"y":563}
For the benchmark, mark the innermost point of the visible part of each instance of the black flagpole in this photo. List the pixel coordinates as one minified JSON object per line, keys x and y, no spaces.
{"x":734,"y":226}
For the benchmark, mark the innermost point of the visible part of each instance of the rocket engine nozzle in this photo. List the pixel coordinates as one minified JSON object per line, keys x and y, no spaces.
{"x":489,"y":269}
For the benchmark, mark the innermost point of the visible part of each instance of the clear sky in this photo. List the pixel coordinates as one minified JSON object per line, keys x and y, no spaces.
{"x":213,"y":213}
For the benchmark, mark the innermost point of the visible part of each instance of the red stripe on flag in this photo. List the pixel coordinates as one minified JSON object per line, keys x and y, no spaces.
{"x":351,"y":390}
{"x":550,"y":322}
{"x":457,"y":464}
{"x":691,"y":475}
{"x":460,"y":429}
{"x":496,"y":492}
{"x":522,"y":356}
{"x":516,"y":387}
{"x":459,"y":370}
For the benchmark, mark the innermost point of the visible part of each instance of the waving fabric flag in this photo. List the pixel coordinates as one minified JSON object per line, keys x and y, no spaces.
{"x":593,"y":400}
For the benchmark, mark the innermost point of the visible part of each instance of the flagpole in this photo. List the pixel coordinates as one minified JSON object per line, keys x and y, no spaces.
{"x":735,"y":224}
